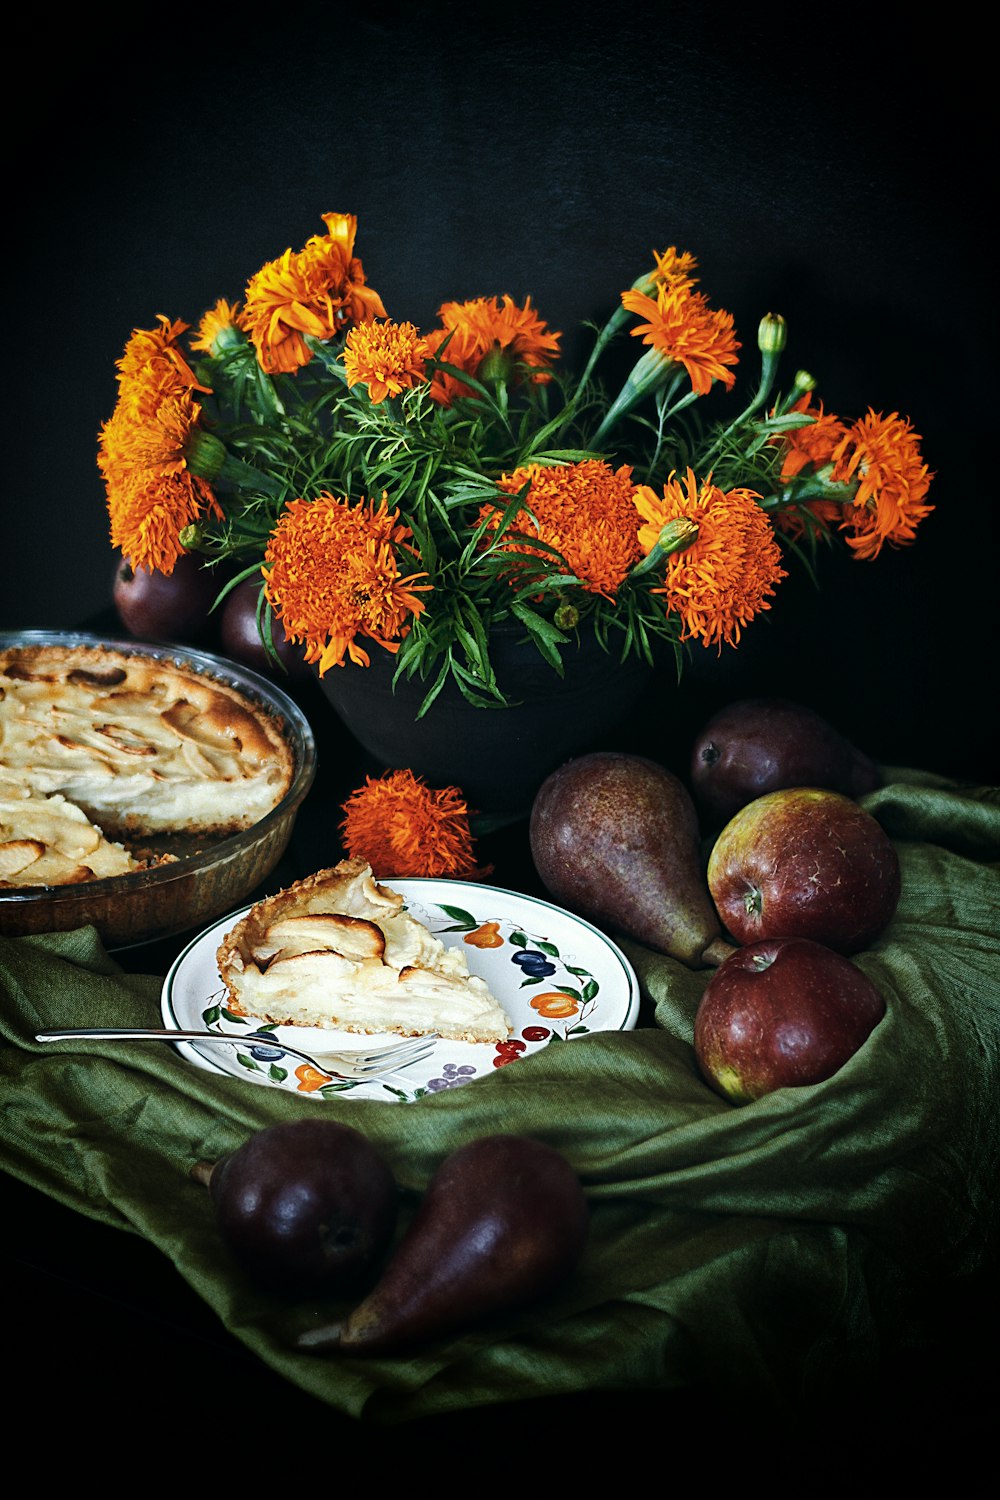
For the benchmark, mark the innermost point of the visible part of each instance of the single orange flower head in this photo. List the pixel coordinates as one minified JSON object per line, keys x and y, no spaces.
{"x":224,"y":326}
{"x":810,"y":446}
{"x":332,"y":575}
{"x":318,"y":291}
{"x":387,"y":357}
{"x":143,"y":457}
{"x":684,"y":330}
{"x":727,"y":575}
{"x":403,"y":827}
{"x":155,"y":353}
{"x":673,"y":268}
{"x":585,"y":510}
{"x":148,"y":514}
{"x":472,"y":331}
{"x":882,"y":455}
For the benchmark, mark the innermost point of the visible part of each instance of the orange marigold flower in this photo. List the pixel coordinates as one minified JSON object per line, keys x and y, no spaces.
{"x":684,"y":330}
{"x":471,"y":330}
{"x":150,"y":427}
{"x":222,"y":327}
{"x":812,"y":444}
{"x":332,"y":574}
{"x":675,"y":267}
{"x":143,"y":456}
{"x":586,"y":511}
{"x":882,"y":454}
{"x":809,"y":447}
{"x":727,"y":575}
{"x":387,"y":357}
{"x":318,"y":291}
{"x":148,"y":514}
{"x":403,"y":827}
{"x":154,"y":352}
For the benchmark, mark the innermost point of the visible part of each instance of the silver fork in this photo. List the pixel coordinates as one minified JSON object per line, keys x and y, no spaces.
{"x":349,"y":1065}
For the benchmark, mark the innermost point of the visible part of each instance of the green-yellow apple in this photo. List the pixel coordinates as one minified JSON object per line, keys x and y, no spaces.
{"x":782,"y":1013}
{"x":805,"y":862}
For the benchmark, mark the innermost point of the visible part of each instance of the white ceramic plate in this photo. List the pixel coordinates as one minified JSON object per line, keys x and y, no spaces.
{"x":556,"y":976}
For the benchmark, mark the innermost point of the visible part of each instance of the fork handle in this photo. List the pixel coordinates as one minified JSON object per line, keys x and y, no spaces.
{"x":132,"y":1034}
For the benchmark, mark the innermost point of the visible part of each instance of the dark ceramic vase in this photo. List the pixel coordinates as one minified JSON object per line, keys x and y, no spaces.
{"x":497,"y":756}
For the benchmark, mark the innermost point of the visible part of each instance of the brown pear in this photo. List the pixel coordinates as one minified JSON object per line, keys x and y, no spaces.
{"x":503,"y":1222}
{"x":760,"y":745}
{"x":615,"y":838}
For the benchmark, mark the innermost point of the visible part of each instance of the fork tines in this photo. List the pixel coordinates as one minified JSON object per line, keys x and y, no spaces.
{"x":394,"y":1052}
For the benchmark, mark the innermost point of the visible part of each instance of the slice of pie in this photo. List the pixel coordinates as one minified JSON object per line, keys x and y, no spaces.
{"x":338,"y":950}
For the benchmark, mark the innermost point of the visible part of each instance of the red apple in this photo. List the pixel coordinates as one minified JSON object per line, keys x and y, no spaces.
{"x":805,"y":862}
{"x":782,"y":1013}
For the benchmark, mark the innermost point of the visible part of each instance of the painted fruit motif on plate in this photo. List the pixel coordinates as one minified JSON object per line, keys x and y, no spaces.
{"x":558,"y":978}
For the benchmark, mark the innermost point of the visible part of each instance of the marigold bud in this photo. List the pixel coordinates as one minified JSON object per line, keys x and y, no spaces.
{"x":190,"y":537}
{"x":804,"y":381}
{"x":677,"y":534}
{"x":772,"y":335}
{"x":567,"y":616}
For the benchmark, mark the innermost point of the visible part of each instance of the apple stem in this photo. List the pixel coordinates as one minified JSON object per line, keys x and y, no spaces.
{"x":717,"y":952}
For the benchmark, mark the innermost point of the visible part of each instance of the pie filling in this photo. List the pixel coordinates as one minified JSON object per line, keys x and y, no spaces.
{"x":338,"y":951}
{"x":98,"y":746}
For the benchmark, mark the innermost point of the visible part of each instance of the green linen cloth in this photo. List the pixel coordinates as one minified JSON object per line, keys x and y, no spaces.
{"x":778,"y":1247}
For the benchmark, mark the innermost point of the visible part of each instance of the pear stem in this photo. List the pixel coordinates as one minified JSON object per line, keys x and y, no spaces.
{"x":327,"y":1337}
{"x":717,"y":952}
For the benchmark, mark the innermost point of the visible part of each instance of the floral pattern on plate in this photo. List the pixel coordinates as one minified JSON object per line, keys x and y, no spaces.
{"x":558,"y":977}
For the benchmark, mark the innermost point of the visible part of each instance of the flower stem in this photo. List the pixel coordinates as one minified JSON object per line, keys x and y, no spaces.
{"x":769,"y":368}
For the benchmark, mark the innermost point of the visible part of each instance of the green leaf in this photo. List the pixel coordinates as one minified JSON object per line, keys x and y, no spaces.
{"x":539,"y":628}
{"x":465,"y":918}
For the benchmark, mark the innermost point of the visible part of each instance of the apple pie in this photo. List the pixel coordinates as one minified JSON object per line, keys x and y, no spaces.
{"x":98,"y":745}
{"x":339,"y":951}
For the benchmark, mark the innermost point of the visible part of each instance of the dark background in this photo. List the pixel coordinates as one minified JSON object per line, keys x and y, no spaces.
{"x":827,"y":164}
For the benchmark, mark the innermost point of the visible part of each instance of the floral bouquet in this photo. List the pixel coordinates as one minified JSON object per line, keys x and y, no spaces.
{"x":409,"y":492}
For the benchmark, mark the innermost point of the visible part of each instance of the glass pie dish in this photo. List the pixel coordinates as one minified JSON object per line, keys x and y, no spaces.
{"x":208,"y":875}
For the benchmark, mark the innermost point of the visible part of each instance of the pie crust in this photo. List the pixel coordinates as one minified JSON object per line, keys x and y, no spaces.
{"x":339,"y":951}
{"x":100,"y":748}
